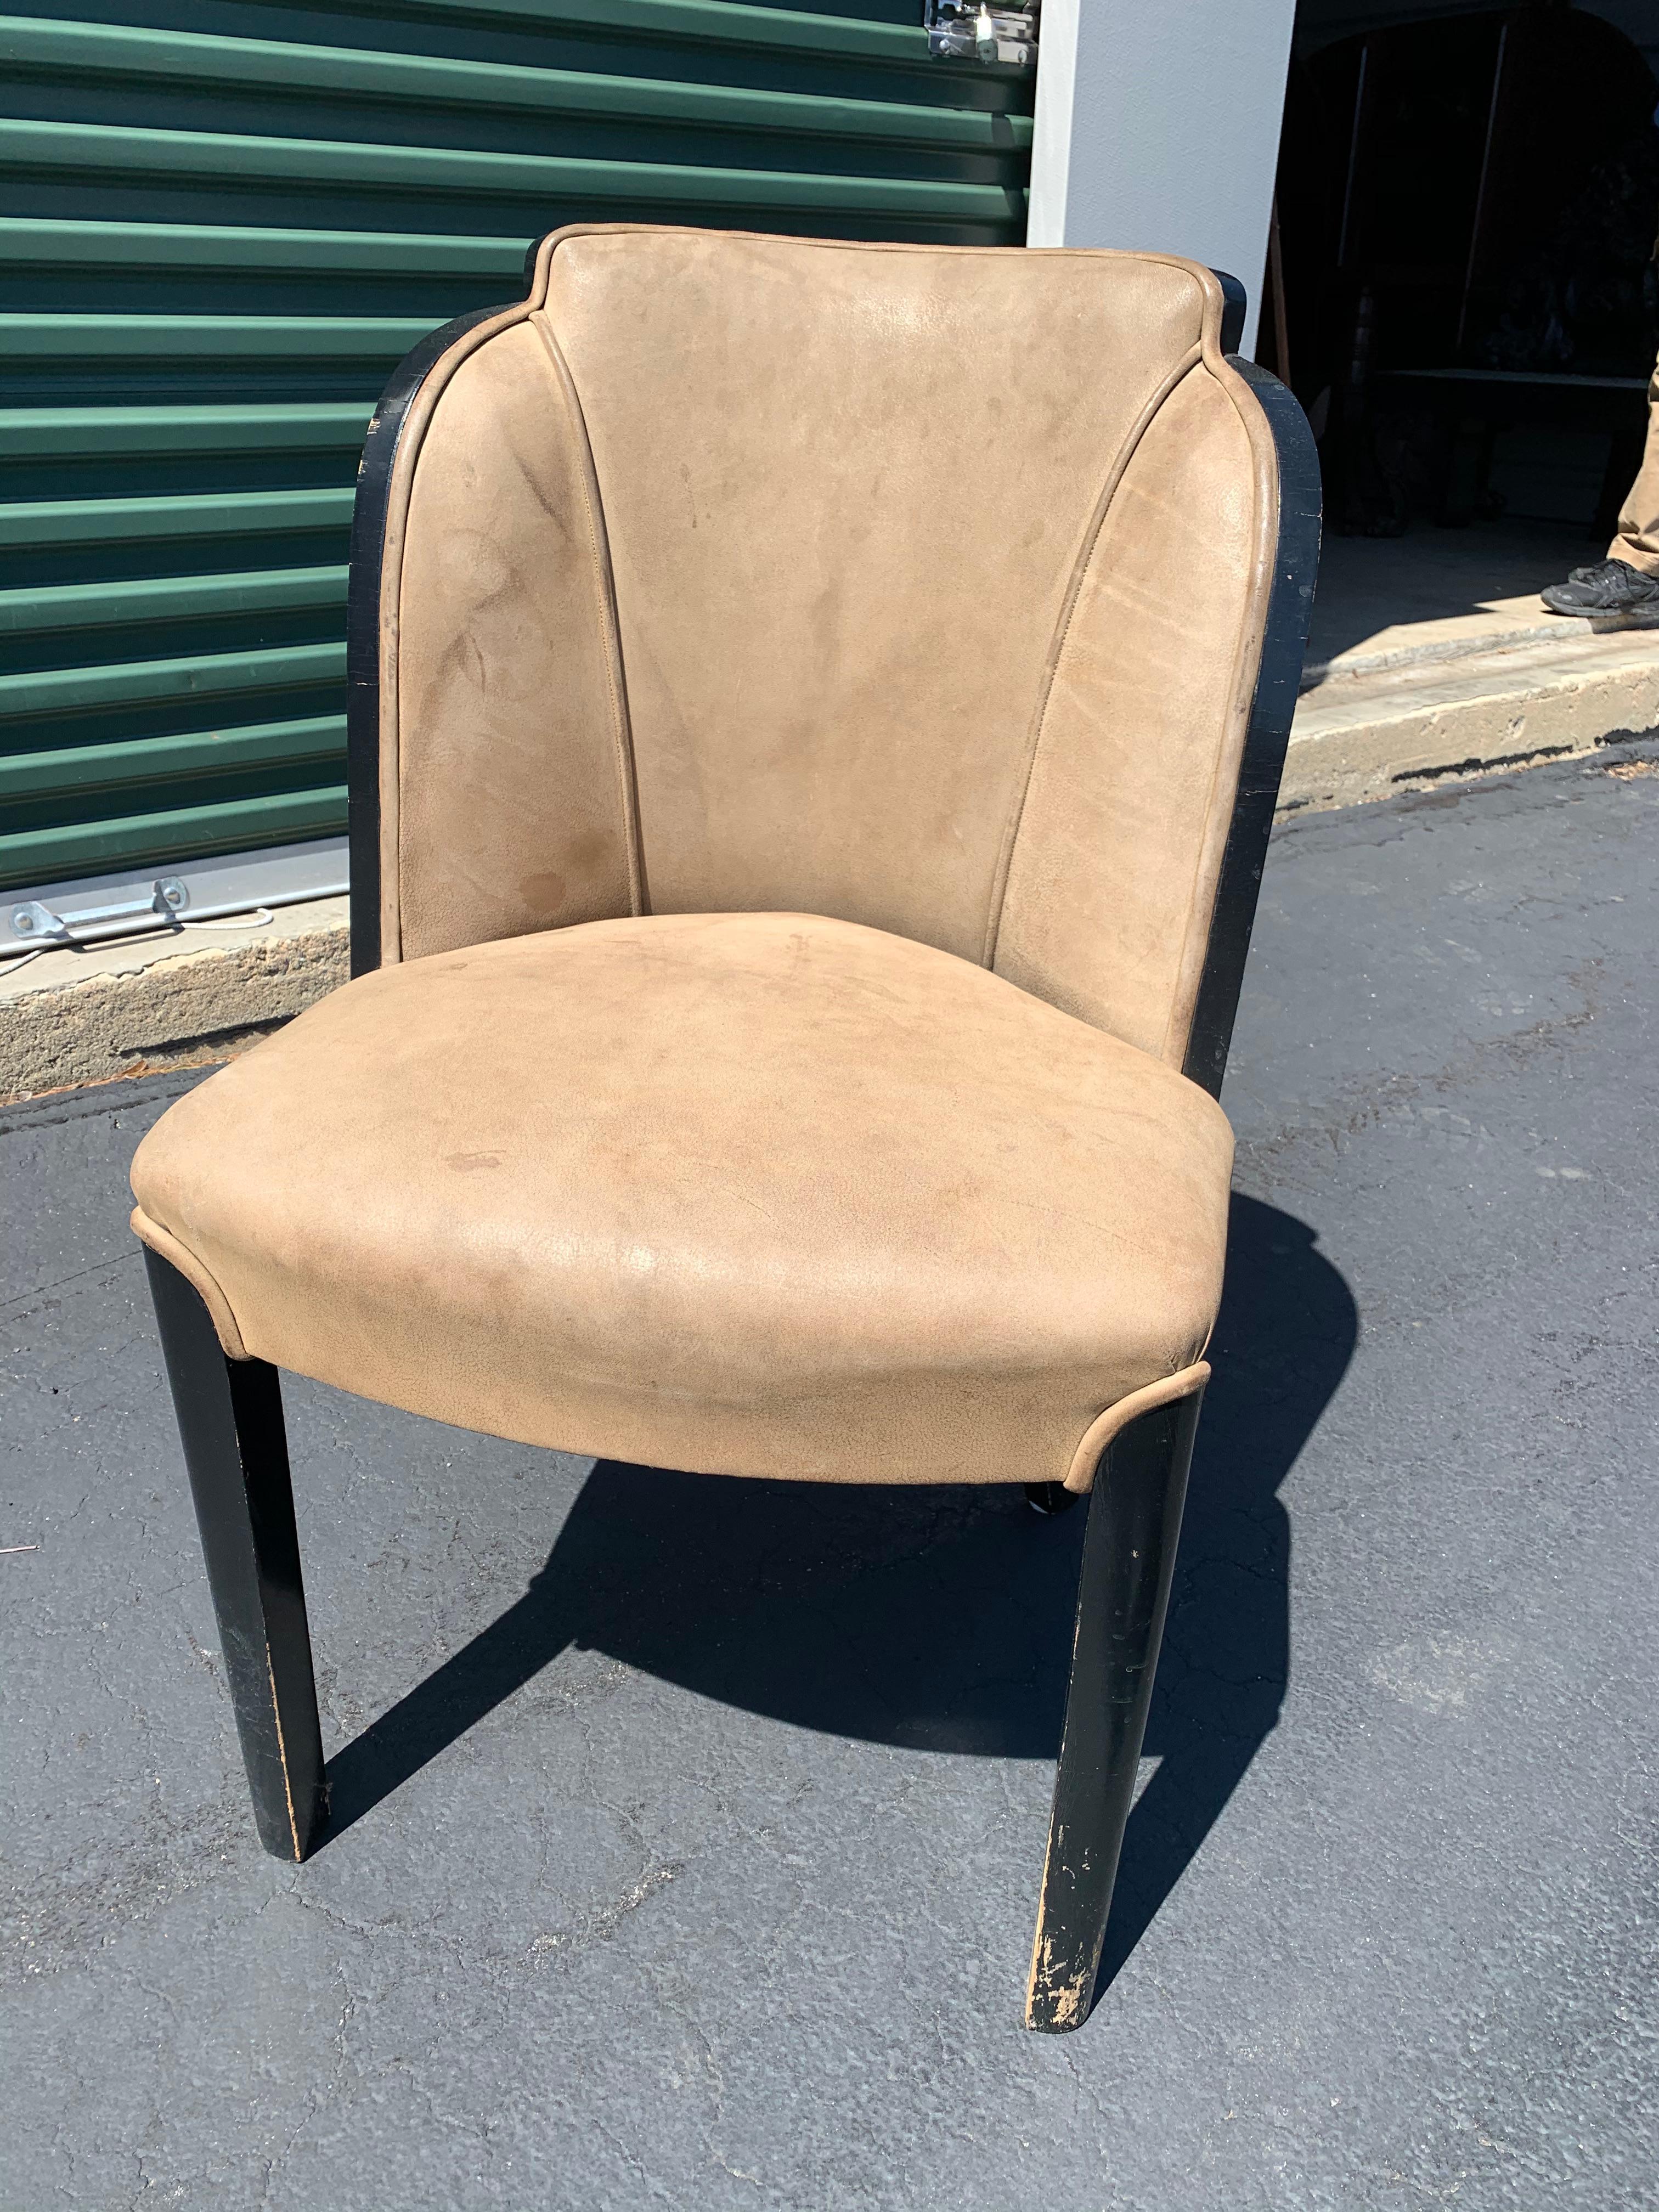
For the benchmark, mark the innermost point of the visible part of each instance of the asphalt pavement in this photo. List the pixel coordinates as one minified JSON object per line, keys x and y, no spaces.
{"x":688,"y":1831}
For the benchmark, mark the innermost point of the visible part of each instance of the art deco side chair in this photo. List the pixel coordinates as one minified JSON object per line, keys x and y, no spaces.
{"x":815,"y":716}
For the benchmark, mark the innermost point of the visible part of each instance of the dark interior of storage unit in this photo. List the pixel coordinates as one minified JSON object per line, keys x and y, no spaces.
{"x":1461,"y":288}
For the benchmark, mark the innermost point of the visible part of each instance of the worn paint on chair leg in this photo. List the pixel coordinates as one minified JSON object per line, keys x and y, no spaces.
{"x":1123,"y":1594}
{"x":230,"y":1422}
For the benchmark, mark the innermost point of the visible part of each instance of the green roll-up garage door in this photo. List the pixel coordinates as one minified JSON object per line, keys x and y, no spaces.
{"x":223,"y":224}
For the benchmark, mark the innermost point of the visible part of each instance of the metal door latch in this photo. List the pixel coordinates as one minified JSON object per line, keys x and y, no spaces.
{"x":971,"y":30}
{"x":37,"y":923}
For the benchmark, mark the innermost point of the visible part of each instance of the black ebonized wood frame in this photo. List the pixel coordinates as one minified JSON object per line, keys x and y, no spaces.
{"x":1267,"y":733}
{"x":230,"y":1412}
{"x":1123,"y":1594}
{"x":230,"y":1423}
{"x":1140,"y":1487}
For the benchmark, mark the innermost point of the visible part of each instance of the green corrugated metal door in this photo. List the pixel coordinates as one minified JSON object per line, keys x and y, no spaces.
{"x":223,"y":224}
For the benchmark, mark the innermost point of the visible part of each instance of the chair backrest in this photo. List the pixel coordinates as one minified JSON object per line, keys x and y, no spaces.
{"x":921,"y":586}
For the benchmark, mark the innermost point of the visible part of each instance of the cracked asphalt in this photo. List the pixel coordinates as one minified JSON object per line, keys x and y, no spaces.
{"x":687,"y":1832}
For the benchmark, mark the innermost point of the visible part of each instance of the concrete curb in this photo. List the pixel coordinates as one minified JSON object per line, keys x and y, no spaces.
{"x":1417,"y":645}
{"x":71,"y":1019}
{"x":1360,"y":736}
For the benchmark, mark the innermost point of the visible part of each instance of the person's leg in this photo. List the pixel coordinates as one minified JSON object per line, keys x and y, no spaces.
{"x":1637,"y":542}
{"x":1627,"y":581}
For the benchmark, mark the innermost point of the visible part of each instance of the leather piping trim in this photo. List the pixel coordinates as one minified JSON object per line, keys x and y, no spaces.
{"x":1094,"y":253}
{"x":1080,"y":1475}
{"x":1080,"y":566}
{"x":605,"y":585}
{"x":167,"y":1245}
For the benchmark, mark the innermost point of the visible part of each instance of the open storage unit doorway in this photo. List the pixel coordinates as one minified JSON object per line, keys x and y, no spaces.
{"x":1462,"y":288}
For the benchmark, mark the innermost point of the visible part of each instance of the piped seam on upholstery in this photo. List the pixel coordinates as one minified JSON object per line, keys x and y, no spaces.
{"x":1196,"y":270}
{"x":1184,"y":1383}
{"x":1080,"y":568}
{"x":197,"y":1275}
{"x":1246,"y":675}
{"x":605,"y":585}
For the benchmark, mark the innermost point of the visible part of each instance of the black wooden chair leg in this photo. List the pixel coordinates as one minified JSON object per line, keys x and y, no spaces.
{"x":230,"y":1421}
{"x":1123,"y":1593}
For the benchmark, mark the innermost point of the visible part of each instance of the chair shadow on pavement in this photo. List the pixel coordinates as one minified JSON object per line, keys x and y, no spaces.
{"x":939,"y":1619}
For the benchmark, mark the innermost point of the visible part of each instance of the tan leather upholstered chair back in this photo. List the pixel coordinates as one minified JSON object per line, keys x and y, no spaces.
{"x":920,"y":587}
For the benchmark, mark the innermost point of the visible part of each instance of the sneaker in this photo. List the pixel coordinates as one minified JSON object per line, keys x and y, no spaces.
{"x":1611,"y":587}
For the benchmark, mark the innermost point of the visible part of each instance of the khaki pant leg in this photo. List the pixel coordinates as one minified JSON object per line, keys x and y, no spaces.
{"x":1637,"y":541}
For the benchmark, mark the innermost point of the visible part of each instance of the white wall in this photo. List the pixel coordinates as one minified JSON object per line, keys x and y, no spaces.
{"x":1158,"y":128}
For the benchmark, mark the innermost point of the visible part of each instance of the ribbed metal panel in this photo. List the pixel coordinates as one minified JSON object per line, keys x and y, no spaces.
{"x":224,"y":223}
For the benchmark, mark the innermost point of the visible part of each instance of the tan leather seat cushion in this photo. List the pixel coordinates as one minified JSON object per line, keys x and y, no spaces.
{"x":755,"y":1193}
